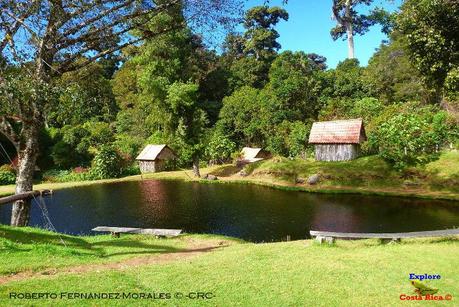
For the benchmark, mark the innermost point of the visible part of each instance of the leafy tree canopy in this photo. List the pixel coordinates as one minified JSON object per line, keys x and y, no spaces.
{"x":431,"y":28}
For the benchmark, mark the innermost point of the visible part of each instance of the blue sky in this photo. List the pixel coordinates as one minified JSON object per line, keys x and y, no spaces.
{"x":308,"y":30}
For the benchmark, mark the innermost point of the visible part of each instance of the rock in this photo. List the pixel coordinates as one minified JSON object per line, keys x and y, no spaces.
{"x":313,"y":179}
{"x":243,"y":173}
{"x":409,"y":183}
{"x":211,"y":177}
{"x":299,"y":180}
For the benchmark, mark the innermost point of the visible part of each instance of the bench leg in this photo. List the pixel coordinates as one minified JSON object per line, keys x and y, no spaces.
{"x":320,"y":239}
{"x":329,"y":240}
{"x":390,"y":241}
{"x":115,"y":234}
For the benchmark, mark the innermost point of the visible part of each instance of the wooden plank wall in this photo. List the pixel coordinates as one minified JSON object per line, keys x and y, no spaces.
{"x":336,"y":152}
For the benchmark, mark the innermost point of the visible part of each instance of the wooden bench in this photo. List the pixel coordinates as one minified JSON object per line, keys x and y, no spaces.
{"x":116,"y":231}
{"x":330,"y":237}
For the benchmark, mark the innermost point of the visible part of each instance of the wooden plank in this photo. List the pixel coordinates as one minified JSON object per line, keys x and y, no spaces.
{"x":23,"y":196}
{"x":389,"y":235}
{"x":145,"y":231}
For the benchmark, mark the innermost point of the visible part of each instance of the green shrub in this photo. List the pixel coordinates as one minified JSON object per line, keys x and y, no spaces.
{"x":7,"y":175}
{"x":107,"y":163}
{"x":296,"y":143}
{"x":407,"y":139}
{"x":131,"y":170}
{"x":65,"y":176}
{"x":219,"y":148}
{"x":289,"y":139}
{"x":129,"y":145}
{"x":367,"y":108}
{"x":75,"y":145}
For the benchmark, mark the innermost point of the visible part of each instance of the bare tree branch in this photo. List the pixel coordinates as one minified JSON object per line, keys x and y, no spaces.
{"x":88,"y":22}
{"x":19,"y":21}
{"x":70,"y":64}
{"x":68,"y":41}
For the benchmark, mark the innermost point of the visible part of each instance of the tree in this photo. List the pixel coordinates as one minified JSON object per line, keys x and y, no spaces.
{"x":187,"y":120}
{"x":390,"y":74}
{"x":252,"y":53}
{"x":292,"y":80}
{"x":245,"y":116}
{"x":86,"y":95}
{"x":344,"y":82}
{"x":172,"y":94}
{"x":45,"y":39}
{"x":349,"y":22}
{"x":431,"y":28}
{"x":261,"y":36}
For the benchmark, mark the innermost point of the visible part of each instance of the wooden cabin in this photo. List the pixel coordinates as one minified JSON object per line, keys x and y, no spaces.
{"x":337,"y":140}
{"x":153,"y":158}
{"x":250,"y":154}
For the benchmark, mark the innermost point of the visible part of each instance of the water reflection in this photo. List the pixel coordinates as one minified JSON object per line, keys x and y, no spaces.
{"x":333,"y":217}
{"x":246,"y":211}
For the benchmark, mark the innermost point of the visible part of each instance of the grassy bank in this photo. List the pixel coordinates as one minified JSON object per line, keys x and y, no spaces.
{"x":236,"y":273}
{"x":366,"y":175}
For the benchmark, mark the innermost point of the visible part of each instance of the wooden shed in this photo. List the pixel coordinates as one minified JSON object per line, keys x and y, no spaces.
{"x":250,"y":154}
{"x":337,"y":140}
{"x":153,"y":158}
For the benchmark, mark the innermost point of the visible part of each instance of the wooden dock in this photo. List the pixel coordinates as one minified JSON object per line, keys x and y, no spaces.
{"x":116,"y":231}
{"x":329,"y":236}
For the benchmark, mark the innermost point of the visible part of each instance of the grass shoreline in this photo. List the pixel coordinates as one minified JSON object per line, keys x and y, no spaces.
{"x":266,"y":182}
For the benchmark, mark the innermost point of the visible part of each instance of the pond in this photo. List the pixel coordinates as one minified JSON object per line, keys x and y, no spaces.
{"x":250,"y":212}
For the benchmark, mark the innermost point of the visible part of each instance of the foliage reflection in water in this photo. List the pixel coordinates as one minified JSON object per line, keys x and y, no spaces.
{"x":250,"y":212}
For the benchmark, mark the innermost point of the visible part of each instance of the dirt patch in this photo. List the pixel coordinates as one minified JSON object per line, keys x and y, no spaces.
{"x":193,"y":249}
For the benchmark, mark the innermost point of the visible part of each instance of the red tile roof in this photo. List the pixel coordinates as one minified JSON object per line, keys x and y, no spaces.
{"x":337,"y":132}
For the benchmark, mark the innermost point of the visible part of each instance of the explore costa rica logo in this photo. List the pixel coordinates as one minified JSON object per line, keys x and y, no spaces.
{"x":422,"y":291}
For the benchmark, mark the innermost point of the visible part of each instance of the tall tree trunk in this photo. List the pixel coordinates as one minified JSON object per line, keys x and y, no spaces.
{"x":349,"y":30}
{"x":196,"y":167}
{"x":350,"y":42}
{"x":28,"y":152}
{"x":28,"y":149}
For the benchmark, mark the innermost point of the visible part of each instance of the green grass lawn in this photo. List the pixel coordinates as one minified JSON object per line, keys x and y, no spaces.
{"x":32,"y":249}
{"x":298,"y":273}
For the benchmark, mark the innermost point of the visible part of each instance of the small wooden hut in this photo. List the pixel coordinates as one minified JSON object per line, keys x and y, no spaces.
{"x":153,"y":158}
{"x":337,"y":140}
{"x":250,"y":154}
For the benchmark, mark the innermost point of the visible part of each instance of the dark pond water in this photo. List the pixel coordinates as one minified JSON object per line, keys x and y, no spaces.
{"x":249,"y":212}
